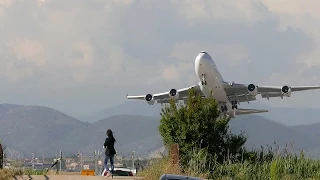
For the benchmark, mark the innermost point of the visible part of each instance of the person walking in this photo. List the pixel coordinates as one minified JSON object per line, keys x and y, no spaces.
{"x":109,"y":153}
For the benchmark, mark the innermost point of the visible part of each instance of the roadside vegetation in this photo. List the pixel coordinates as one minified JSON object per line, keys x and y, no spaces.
{"x":6,"y":174}
{"x":209,"y":150}
{"x":9,"y":173}
{"x":16,"y":170}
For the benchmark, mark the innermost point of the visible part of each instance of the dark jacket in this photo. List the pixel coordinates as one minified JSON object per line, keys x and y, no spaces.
{"x":109,"y":145}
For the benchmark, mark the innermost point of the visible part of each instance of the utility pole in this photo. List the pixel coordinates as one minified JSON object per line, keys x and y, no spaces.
{"x":42,"y":161}
{"x":60,"y":162}
{"x":80,"y":155}
{"x":96,"y":159}
{"x":138,"y":164}
{"x":32,"y":160}
{"x":1,"y":157}
{"x":132,"y":160}
{"x":95,"y":162}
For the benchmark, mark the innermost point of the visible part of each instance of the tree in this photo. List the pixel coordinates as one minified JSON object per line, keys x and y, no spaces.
{"x":1,"y":155}
{"x":199,"y":124}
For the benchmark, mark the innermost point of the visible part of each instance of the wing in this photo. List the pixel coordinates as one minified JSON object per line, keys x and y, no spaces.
{"x":249,"y":111}
{"x":164,"y":97}
{"x":240,"y":91}
{"x":270,"y":91}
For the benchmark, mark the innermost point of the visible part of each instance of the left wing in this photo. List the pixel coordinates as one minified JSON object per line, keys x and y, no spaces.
{"x":164,"y":97}
{"x":249,"y":111}
{"x":247,"y":90}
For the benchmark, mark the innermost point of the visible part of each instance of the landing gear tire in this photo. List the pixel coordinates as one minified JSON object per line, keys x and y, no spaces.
{"x":234,"y":104}
{"x":224,"y":108}
{"x":204,"y":82}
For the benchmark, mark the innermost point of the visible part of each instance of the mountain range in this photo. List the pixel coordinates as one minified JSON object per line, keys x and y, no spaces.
{"x":42,"y":130}
{"x":287,"y":116}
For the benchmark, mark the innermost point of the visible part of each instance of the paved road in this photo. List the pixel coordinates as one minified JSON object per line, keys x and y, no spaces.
{"x":73,"y":177}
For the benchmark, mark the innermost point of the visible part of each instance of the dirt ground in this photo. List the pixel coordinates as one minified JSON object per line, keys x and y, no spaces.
{"x":73,"y":177}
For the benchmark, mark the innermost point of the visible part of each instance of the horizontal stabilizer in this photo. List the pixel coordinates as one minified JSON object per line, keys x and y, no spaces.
{"x":249,"y":111}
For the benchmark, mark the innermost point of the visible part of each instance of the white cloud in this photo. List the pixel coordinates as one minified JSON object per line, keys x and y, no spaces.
{"x":171,"y":73}
{"x":294,"y":7}
{"x":303,"y":15}
{"x":6,"y":3}
{"x":187,"y":51}
{"x":292,"y":80}
{"x":244,"y":11}
{"x":27,"y":50}
{"x":96,"y":48}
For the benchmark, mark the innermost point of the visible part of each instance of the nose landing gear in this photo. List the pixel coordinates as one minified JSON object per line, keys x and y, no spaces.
{"x":204,"y":82}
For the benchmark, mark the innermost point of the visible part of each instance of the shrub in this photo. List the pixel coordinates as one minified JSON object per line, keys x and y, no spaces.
{"x":199,"y":124}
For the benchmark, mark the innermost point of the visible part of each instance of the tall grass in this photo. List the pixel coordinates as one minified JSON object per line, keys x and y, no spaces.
{"x":10,"y":173}
{"x":34,"y":172}
{"x":270,"y":164}
{"x":196,"y":167}
{"x":280,"y":167}
{"x":157,"y":168}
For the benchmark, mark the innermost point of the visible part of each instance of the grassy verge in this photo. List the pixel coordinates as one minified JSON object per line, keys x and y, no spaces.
{"x":157,"y":168}
{"x":9,"y":173}
{"x":160,"y":166}
{"x":280,"y":167}
{"x":34,"y":172}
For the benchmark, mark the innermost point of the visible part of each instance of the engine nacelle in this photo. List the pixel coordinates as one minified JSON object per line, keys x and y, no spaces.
{"x":286,"y":91}
{"x":252,"y":89}
{"x":174,"y":93}
{"x":149,"y":99}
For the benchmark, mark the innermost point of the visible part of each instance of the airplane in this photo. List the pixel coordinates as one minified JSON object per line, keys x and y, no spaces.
{"x":228,"y":94}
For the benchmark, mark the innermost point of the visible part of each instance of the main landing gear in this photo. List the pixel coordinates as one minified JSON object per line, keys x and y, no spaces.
{"x":224,"y":108}
{"x":234,"y":104}
{"x":204,"y":82}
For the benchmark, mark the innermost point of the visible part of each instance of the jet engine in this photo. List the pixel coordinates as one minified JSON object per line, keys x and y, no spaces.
{"x":174,"y":94}
{"x":149,"y":99}
{"x":252,"y":89}
{"x":286,"y":91}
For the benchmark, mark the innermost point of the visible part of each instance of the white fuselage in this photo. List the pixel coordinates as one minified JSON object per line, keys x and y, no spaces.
{"x":205,"y":65}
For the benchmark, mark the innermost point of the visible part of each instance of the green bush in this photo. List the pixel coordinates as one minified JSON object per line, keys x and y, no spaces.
{"x":199,"y":124}
{"x":34,"y":172}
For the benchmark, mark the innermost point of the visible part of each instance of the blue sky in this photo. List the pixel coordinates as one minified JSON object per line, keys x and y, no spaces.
{"x":79,"y":56}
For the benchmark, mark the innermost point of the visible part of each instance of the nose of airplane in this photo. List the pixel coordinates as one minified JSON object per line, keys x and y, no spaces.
{"x":202,"y":56}
{"x":200,"y":60}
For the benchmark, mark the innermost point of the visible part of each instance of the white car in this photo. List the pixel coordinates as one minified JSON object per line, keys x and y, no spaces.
{"x":122,"y":170}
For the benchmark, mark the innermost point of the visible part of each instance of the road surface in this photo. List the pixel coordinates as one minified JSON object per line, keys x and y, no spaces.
{"x":73,"y":177}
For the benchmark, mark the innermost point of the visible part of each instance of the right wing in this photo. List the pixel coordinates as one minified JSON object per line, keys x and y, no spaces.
{"x":240,"y":91}
{"x":164,"y":97}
